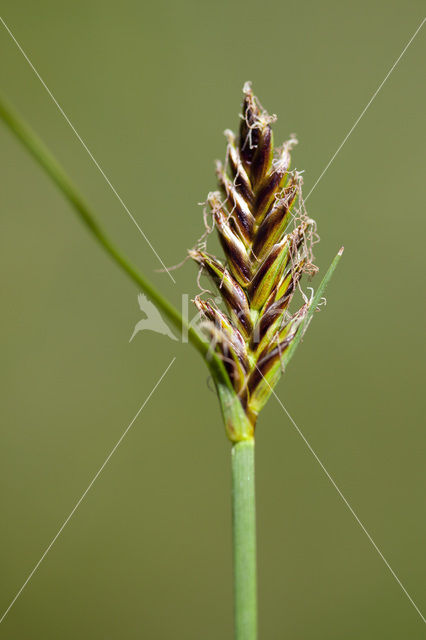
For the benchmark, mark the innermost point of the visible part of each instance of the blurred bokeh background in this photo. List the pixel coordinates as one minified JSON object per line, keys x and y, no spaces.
{"x":150,"y":87}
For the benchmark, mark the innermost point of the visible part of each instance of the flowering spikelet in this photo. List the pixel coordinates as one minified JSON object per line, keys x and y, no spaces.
{"x":267,"y":248}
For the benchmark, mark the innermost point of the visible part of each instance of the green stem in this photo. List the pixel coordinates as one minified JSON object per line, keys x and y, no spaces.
{"x":244,"y":540}
{"x":46,"y":160}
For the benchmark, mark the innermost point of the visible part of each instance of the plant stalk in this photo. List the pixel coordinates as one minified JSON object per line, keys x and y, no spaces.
{"x":244,"y":540}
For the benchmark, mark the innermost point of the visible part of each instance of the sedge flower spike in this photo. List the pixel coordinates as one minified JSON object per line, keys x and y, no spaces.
{"x":267,"y":241}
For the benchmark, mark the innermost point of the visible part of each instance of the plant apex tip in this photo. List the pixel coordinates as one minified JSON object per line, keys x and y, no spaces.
{"x":341,"y":250}
{"x":247,"y":87}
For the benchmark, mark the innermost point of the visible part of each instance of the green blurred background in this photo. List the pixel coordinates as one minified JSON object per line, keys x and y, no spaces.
{"x":150,"y":87}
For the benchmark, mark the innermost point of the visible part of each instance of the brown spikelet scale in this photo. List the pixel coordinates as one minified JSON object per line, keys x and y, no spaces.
{"x":267,"y":242}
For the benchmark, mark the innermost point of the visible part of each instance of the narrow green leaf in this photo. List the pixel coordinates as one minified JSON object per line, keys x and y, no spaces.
{"x":56,"y":173}
{"x":312,"y":308}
